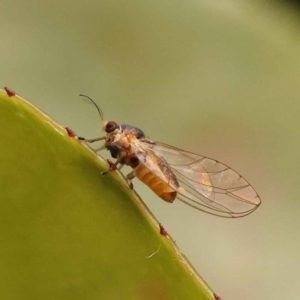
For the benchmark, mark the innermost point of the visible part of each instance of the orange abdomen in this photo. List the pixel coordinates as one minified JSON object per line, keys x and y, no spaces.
{"x":158,"y":186}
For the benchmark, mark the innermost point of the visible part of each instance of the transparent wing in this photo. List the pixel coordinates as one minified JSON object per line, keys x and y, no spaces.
{"x":205,"y":184}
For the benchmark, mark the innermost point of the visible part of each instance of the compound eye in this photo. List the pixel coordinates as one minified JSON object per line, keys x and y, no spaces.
{"x":111,"y":126}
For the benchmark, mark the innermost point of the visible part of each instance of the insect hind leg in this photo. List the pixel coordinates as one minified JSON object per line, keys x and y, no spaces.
{"x":129,"y":177}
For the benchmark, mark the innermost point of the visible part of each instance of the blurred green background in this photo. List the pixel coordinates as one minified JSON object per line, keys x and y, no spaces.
{"x":220,"y":78}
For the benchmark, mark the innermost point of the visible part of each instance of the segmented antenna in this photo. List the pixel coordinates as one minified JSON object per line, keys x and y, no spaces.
{"x":99,"y":110}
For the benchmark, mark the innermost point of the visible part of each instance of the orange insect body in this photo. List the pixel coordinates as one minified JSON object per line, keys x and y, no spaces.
{"x":158,"y":186}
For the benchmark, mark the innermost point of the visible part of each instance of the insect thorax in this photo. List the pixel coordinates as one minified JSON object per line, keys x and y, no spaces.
{"x":137,"y":132}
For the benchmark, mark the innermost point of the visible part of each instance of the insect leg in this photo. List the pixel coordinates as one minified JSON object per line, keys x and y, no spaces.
{"x":120,"y":167}
{"x":92,"y":140}
{"x":130,"y":176}
{"x":100,"y":148}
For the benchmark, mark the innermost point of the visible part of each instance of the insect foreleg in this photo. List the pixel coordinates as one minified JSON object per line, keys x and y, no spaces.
{"x":93,"y":140}
{"x":120,"y":167}
{"x":130,"y":176}
{"x":100,"y":148}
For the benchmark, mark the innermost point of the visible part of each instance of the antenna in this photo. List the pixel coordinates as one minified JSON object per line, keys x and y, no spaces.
{"x":99,"y":110}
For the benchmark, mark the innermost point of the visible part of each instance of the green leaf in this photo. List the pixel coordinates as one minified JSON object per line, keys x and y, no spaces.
{"x":69,"y":233}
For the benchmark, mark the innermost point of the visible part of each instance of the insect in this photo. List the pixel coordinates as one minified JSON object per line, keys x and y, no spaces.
{"x":171,"y":173}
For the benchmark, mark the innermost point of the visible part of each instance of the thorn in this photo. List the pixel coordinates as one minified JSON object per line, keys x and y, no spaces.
{"x":112,"y":166}
{"x":9,"y":92}
{"x":217,"y":297}
{"x":163,"y":231}
{"x":70,"y":132}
